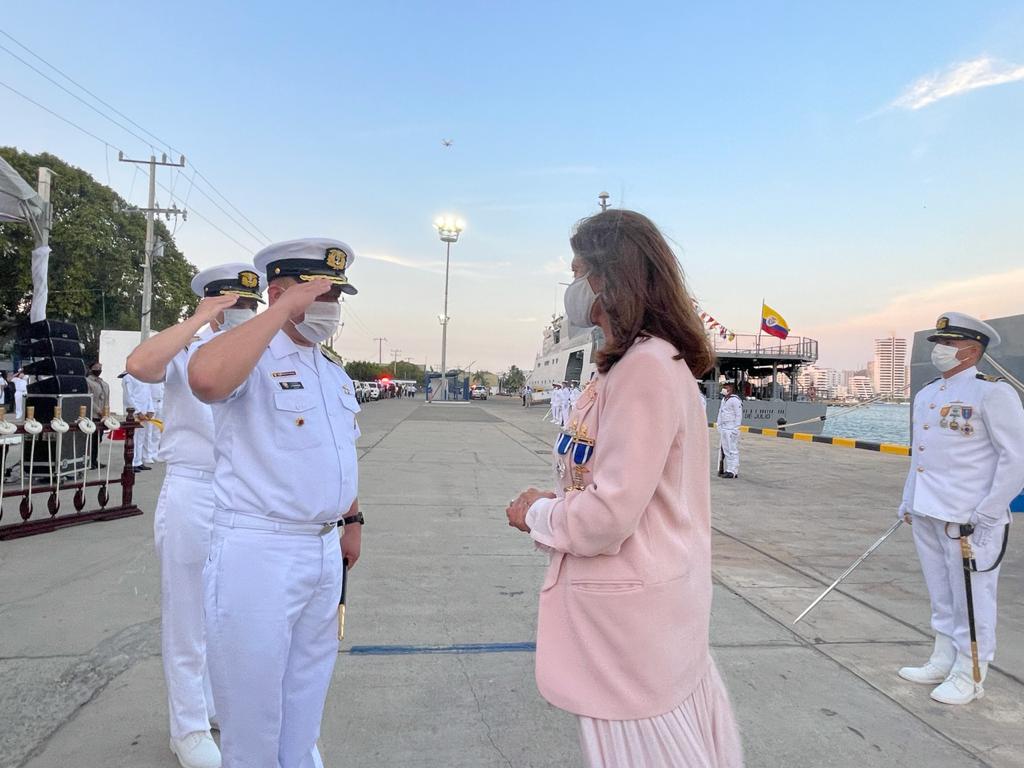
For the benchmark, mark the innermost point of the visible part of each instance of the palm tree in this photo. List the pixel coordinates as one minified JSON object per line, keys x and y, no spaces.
{"x":480,"y":378}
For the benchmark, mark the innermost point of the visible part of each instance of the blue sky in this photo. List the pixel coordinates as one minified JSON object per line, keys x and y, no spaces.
{"x":858,"y":166}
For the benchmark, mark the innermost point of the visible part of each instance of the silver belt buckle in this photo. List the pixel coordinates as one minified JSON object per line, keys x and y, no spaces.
{"x":328,"y":527}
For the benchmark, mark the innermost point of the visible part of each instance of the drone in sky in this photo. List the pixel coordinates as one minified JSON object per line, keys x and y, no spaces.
{"x":446,"y":143}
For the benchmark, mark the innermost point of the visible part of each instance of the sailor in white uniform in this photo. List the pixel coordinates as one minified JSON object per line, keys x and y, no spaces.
{"x":730,"y":416}
{"x":138,"y":395}
{"x":285,"y":431}
{"x":183,"y":521}
{"x":556,"y":404}
{"x":967,"y":466}
{"x":574,"y":395}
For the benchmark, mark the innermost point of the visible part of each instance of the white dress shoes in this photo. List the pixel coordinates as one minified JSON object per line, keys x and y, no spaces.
{"x":959,"y":687}
{"x":196,"y":750}
{"x":937,"y":668}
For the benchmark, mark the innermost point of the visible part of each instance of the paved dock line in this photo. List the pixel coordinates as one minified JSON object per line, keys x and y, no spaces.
{"x":407,"y":650}
{"x":843,"y":442}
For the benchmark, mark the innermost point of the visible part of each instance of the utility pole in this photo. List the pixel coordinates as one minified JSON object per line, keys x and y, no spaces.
{"x":151,"y":244}
{"x":395,"y":353}
{"x":380,"y":349}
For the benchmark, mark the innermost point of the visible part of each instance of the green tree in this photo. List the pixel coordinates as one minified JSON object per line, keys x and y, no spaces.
{"x":361,"y":370}
{"x":482,"y":377}
{"x":97,"y":245}
{"x":515,"y":379}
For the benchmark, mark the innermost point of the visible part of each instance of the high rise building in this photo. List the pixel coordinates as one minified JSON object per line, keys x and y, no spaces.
{"x":890,"y":367}
{"x":824,"y":381}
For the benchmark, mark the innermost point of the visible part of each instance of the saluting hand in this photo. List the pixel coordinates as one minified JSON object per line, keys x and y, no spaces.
{"x":298,"y":297}
{"x":211,"y":307}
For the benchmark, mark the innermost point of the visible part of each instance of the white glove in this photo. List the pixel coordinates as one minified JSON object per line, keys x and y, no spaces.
{"x":983,"y":534}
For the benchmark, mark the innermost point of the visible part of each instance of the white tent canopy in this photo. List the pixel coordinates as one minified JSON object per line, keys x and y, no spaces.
{"x":20,"y":203}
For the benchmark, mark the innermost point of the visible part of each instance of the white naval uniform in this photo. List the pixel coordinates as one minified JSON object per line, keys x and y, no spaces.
{"x":730,"y":416}
{"x":285,"y":466}
{"x":20,"y":393}
{"x":138,"y":395}
{"x":154,"y":435}
{"x":182,"y":528}
{"x":963,"y":470}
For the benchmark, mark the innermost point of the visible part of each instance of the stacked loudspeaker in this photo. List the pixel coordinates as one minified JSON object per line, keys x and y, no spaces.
{"x":57,"y":371}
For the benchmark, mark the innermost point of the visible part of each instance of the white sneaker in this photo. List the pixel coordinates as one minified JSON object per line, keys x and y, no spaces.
{"x":937,"y":668}
{"x":197,"y":750}
{"x":959,"y":687}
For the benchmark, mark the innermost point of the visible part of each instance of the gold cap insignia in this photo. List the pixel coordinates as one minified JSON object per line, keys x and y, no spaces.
{"x":249,"y":279}
{"x":942,"y":323}
{"x":335,"y":258}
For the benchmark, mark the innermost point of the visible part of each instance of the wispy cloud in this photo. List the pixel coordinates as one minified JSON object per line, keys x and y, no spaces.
{"x":475,"y":270}
{"x":965,"y":76}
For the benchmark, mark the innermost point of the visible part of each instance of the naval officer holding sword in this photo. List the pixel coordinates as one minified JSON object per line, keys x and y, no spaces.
{"x":285,"y":479}
{"x":967,"y":466}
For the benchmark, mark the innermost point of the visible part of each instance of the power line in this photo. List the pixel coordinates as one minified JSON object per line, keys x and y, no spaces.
{"x":74,"y":95}
{"x":173,"y":150}
{"x":59,"y":117}
{"x":106,"y":143}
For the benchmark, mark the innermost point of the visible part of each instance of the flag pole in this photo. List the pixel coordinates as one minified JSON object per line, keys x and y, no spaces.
{"x":760,"y":323}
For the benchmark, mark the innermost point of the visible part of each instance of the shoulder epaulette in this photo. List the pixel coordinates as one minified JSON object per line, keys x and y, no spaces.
{"x":331,"y":355}
{"x":932,"y":381}
{"x":986,"y":377}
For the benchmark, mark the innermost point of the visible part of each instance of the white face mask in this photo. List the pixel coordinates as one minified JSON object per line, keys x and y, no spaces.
{"x":235,"y":317}
{"x":320,"y":322}
{"x":944,"y":357}
{"x":579,"y":302}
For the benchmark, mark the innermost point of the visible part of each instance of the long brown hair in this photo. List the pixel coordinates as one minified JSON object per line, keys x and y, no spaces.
{"x":644,"y":290}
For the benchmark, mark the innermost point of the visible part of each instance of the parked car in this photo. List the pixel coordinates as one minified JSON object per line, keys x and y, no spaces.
{"x":360,"y":391}
{"x":373,"y":390}
{"x":478,"y":392}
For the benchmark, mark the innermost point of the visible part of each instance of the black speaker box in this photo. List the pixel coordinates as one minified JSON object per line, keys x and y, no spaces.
{"x":59,"y":385}
{"x":48,"y":329}
{"x":70,"y":406}
{"x":51,"y":348}
{"x":57,"y":366}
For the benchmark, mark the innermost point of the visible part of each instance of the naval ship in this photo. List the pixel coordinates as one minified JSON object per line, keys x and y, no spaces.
{"x":764,"y":369}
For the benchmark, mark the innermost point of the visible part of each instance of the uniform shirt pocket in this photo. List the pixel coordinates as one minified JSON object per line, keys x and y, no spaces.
{"x":295,"y":420}
{"x":346,"y":414}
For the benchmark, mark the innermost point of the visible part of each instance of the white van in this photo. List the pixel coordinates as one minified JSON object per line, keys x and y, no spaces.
{"x":373,"y":390}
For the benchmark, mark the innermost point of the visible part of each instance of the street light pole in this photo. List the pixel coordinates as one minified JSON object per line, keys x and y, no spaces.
{"x":448,"y":228}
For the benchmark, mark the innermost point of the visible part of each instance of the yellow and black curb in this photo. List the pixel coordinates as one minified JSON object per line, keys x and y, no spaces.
{"x":843,"y":442}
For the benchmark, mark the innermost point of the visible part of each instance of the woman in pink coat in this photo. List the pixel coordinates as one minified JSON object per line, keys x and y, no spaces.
{"x":622,"y":633}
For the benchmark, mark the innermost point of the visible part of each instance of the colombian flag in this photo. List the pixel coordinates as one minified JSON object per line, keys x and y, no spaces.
{"x":772,"y":322}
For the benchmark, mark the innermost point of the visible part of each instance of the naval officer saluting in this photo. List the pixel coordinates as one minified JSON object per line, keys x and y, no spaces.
{"x":285,"y":431}
{"x":967,"y":466}
{"x":184,"y":514}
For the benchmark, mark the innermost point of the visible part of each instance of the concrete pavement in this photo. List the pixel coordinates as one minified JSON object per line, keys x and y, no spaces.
{"x":81,"y":682}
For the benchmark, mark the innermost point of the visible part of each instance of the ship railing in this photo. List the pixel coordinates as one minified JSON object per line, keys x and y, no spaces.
{"x":754,"y":344}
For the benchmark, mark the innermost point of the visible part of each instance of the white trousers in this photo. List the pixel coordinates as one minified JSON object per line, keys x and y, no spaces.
{"x":729,"y":443}
{"x":19,"y":405}
{"x":272,"y":639}
{"x":181,"y":530}
{"x":943,"y":569}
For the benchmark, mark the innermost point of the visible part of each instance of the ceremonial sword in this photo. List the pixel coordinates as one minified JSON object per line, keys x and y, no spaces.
{"x":851,"y":569}
{"x":341,"y":602}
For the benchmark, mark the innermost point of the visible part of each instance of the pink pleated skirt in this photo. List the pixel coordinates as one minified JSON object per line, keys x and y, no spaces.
{"x":699,"y":733}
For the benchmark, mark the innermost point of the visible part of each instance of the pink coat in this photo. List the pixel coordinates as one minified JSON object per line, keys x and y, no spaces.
{"x":622,"y":632}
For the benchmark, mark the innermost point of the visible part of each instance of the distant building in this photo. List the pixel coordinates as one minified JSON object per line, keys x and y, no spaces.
{"x":824,"y":381}
{"x":889,"y":369}
{"x":859,"y":387}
